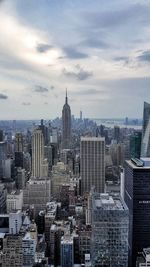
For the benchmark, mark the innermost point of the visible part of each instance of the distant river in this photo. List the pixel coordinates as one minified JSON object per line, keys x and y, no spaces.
{"x":119,"y":123}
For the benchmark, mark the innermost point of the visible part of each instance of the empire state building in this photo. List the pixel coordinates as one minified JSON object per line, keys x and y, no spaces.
{"x":66,"y":125}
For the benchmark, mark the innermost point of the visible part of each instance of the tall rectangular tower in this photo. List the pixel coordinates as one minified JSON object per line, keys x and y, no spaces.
{"x":137,"y":198}
{"x":37,"y":153}
{"x":92,"y":151}
{"x":145,"y":145}
{"x":18,"y":142}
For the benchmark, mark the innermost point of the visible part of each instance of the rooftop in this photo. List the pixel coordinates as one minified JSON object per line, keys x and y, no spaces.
{"x":67,"y":239}
{"x":143,"y":163}
{"x":87,"y":138}
{"x":107,"y":202}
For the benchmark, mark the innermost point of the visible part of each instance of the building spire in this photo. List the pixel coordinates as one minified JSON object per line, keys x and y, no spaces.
{"x":66,"y":97}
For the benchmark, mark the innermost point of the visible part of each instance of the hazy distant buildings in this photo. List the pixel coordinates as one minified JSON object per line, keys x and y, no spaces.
{"x":1,"y":135}
{"x":66,"y":125}
{"x":110,"y":221}
{"x":117,"y":133}
{"x":92,"y":150}
{"x":137,"y":198}
{"x":145,"y":146}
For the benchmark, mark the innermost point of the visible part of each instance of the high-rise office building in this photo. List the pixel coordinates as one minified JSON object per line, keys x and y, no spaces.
{"x":145,"y":145}
{"x":110,"y":222}
{"x":37,"y":193}
{"x":29,"y":243}
{"x":92,"y":151}
{"x":67,"y":251}
{"x":135,"y":145}
{"x":137,"y":198}
{"x":117,"y":133}
{"x":80,"y":115}
{"x":3,"y":152}
{"x":18,"y":142}
{"x":1,"y":135}
{"x":66,"y":125}
{"x":19,"y":150}
{"x":3,"y":195}
{"x":37,"y":153}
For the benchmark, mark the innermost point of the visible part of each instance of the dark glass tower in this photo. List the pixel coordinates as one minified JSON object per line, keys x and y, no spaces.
{"x":145,"y":145}
{"x":137,"y":198}
{"x":135,"y":145}
{"x":66,"y":124}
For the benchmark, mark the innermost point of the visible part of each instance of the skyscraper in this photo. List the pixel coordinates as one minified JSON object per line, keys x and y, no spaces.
{"x":135,"y":145}
{"x":137,"y":198}
{"x":18,"y":142}
{"x":37,"y":153}
{"x":92,"y":151}
{"x":67,"y":259}
{"x":3,"y":152}
{"x":66,"y":124}
{"x":110,"y":222}
{"x":145,"y":145}
{"x":117,"y":133}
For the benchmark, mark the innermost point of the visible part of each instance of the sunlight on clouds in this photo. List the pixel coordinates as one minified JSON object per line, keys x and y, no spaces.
{"x":22,"y":41}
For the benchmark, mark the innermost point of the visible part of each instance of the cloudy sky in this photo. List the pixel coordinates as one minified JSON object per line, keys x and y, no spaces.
{"x":99,"y":50}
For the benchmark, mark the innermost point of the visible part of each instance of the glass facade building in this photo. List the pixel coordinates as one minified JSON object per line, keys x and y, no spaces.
{"x":67,"y":251}
{"x":110,"y":221}
{"x":135,"y":145}
{"x":137,"y":198}
{"x":145,"y":146}
{"x":3,"y":152}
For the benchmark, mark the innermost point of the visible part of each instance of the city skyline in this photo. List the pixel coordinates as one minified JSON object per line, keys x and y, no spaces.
{"x":101,"y":64}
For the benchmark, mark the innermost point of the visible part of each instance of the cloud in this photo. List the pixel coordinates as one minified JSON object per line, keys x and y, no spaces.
{"x":26,"y":103}
{"x":40,"y":89}
{"x":78,"y":73}
{"x":90,"y":92}
{"x":73,"y":53}
{"x":45,"y":103}
{"x":145,"y":56}
{"x":122,"y":88}
{"x":2,"y":96}
{"x":95,"y":43}
{"x":121,"y":58}
{"x":118,"y":17}
{"x":42,"y":48}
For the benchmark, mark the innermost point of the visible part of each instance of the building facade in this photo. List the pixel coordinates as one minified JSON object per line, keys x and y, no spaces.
{"x":67,"y":251}
{"x":37,"y":152}
{"x":110,"y":221}
{"x":137,"y":198}
{"x":92,"y":151}
{"x":145,"y":145}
